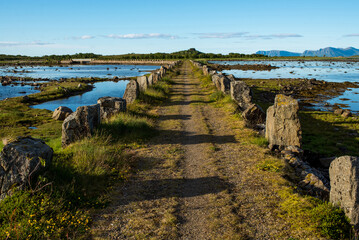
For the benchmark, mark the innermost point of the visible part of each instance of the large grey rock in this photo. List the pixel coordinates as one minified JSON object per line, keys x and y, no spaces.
{"x":282,"y":124}
{"x":225,"y":84}
{"x":231,"y":77}
{"x":155,"y":77}
{"x":344,"y":186}
{"x":241,"y":94}
{"x":142,"y":83}
{"x":254,"y":115}
{"x":216,"y":80}
{"x":20,"y":161}
{"x":205,"y":70}
{"x":80,"y":124}
{"x":61,"y":113}
{"x":110,"y":106}
{"x":150,"y":80}
{"x":132,"y":91}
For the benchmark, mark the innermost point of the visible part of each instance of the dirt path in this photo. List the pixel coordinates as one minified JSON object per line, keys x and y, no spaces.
{"x":196,"y":180}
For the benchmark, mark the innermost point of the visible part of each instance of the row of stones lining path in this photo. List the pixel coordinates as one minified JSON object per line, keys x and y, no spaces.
{"x":196,"y":180}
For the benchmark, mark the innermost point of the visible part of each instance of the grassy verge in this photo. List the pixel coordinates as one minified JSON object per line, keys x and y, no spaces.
{"x":309,"y":217}
{"x":58,"y":203}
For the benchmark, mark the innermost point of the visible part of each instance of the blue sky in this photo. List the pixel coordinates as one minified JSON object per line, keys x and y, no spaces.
{"x":39,"y":27}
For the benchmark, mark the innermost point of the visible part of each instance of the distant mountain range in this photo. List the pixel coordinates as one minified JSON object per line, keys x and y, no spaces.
{"x":323,"y":52}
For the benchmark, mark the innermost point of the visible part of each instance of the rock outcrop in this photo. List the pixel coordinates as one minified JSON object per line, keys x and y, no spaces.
{"x":310,"y":179}
{"x":253,"y":115}
{"x":132,"y":91}
{"x":282,"y":125}
{"x":20,"y":161}
{"x":61,"y":113}
{"x":110,"y":106}
{"x":241,"y":94}
{"x":344,"y":183}
{"x":80,"y":124}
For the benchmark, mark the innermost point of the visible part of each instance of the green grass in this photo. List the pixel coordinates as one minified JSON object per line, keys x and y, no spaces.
{"x":328,"y":134}
{"x":57,"y":204}
{"x":313,"y":215}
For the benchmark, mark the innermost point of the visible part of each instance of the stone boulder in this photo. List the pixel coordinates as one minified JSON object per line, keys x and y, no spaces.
{"x":110,"y":106}
{"x":80,"y":124}
{"x":216,"y":81}
{"x":344,"y":186}
{"x":241,"y":94}
{"x":205,"y":70}
{"x":142,"y":83}
{"x":282,"y":124}
{"x":231,"y":77}
{"x":20,"y":161}
{"x":132,"y":91}
{"x":254,"y":115}
{"x":61,"y":113}
{"x":225,"y":84}
{"x":346,"y":113}
{"x":150,"y":80}
{"x":155,"y":77}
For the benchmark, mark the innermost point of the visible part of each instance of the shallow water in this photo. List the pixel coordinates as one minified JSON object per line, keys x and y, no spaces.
{"x":16,"y":91}
{"x":327,"y":71}
{"x":101,"y":89}
{"x":72,"y":71}
{"x":80,"y":71}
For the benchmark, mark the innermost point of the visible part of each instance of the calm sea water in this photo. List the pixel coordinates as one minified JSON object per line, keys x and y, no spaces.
{"x":80,"y":71}
{"x":101,"y":89}
{"x":54,"y":73}
{"x":327,"y":71}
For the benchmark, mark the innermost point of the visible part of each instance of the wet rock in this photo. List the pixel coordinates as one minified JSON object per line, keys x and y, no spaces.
{"x":241,"y":94}
{"x":20,"y":161}
{"x":110,"y":106}
{"x":142,"y":83}
{"x":80,"y":124}
{"x":132,"y":91}
{"x":254,"y":115}
{"x":282,"y":124}
{"x":344,"y":179}
{"x":61,"y":113}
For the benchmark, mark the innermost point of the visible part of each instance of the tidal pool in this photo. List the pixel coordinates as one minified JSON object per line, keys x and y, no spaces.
{"x":101,"y":89}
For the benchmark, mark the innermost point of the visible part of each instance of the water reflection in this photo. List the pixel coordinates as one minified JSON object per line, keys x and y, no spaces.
{"x":101,"y":89}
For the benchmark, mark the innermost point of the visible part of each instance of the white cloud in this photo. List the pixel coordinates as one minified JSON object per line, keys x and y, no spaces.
{"x":352,"y":35}
{"x":271,"y":36}
{"x":17,"y":44}
{"x":246,"y":35}
{"x":142,"y":36}
{"x":221,"y":35}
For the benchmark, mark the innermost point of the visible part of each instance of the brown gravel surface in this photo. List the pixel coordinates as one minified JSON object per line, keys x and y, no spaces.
{"x":197,"y":179}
